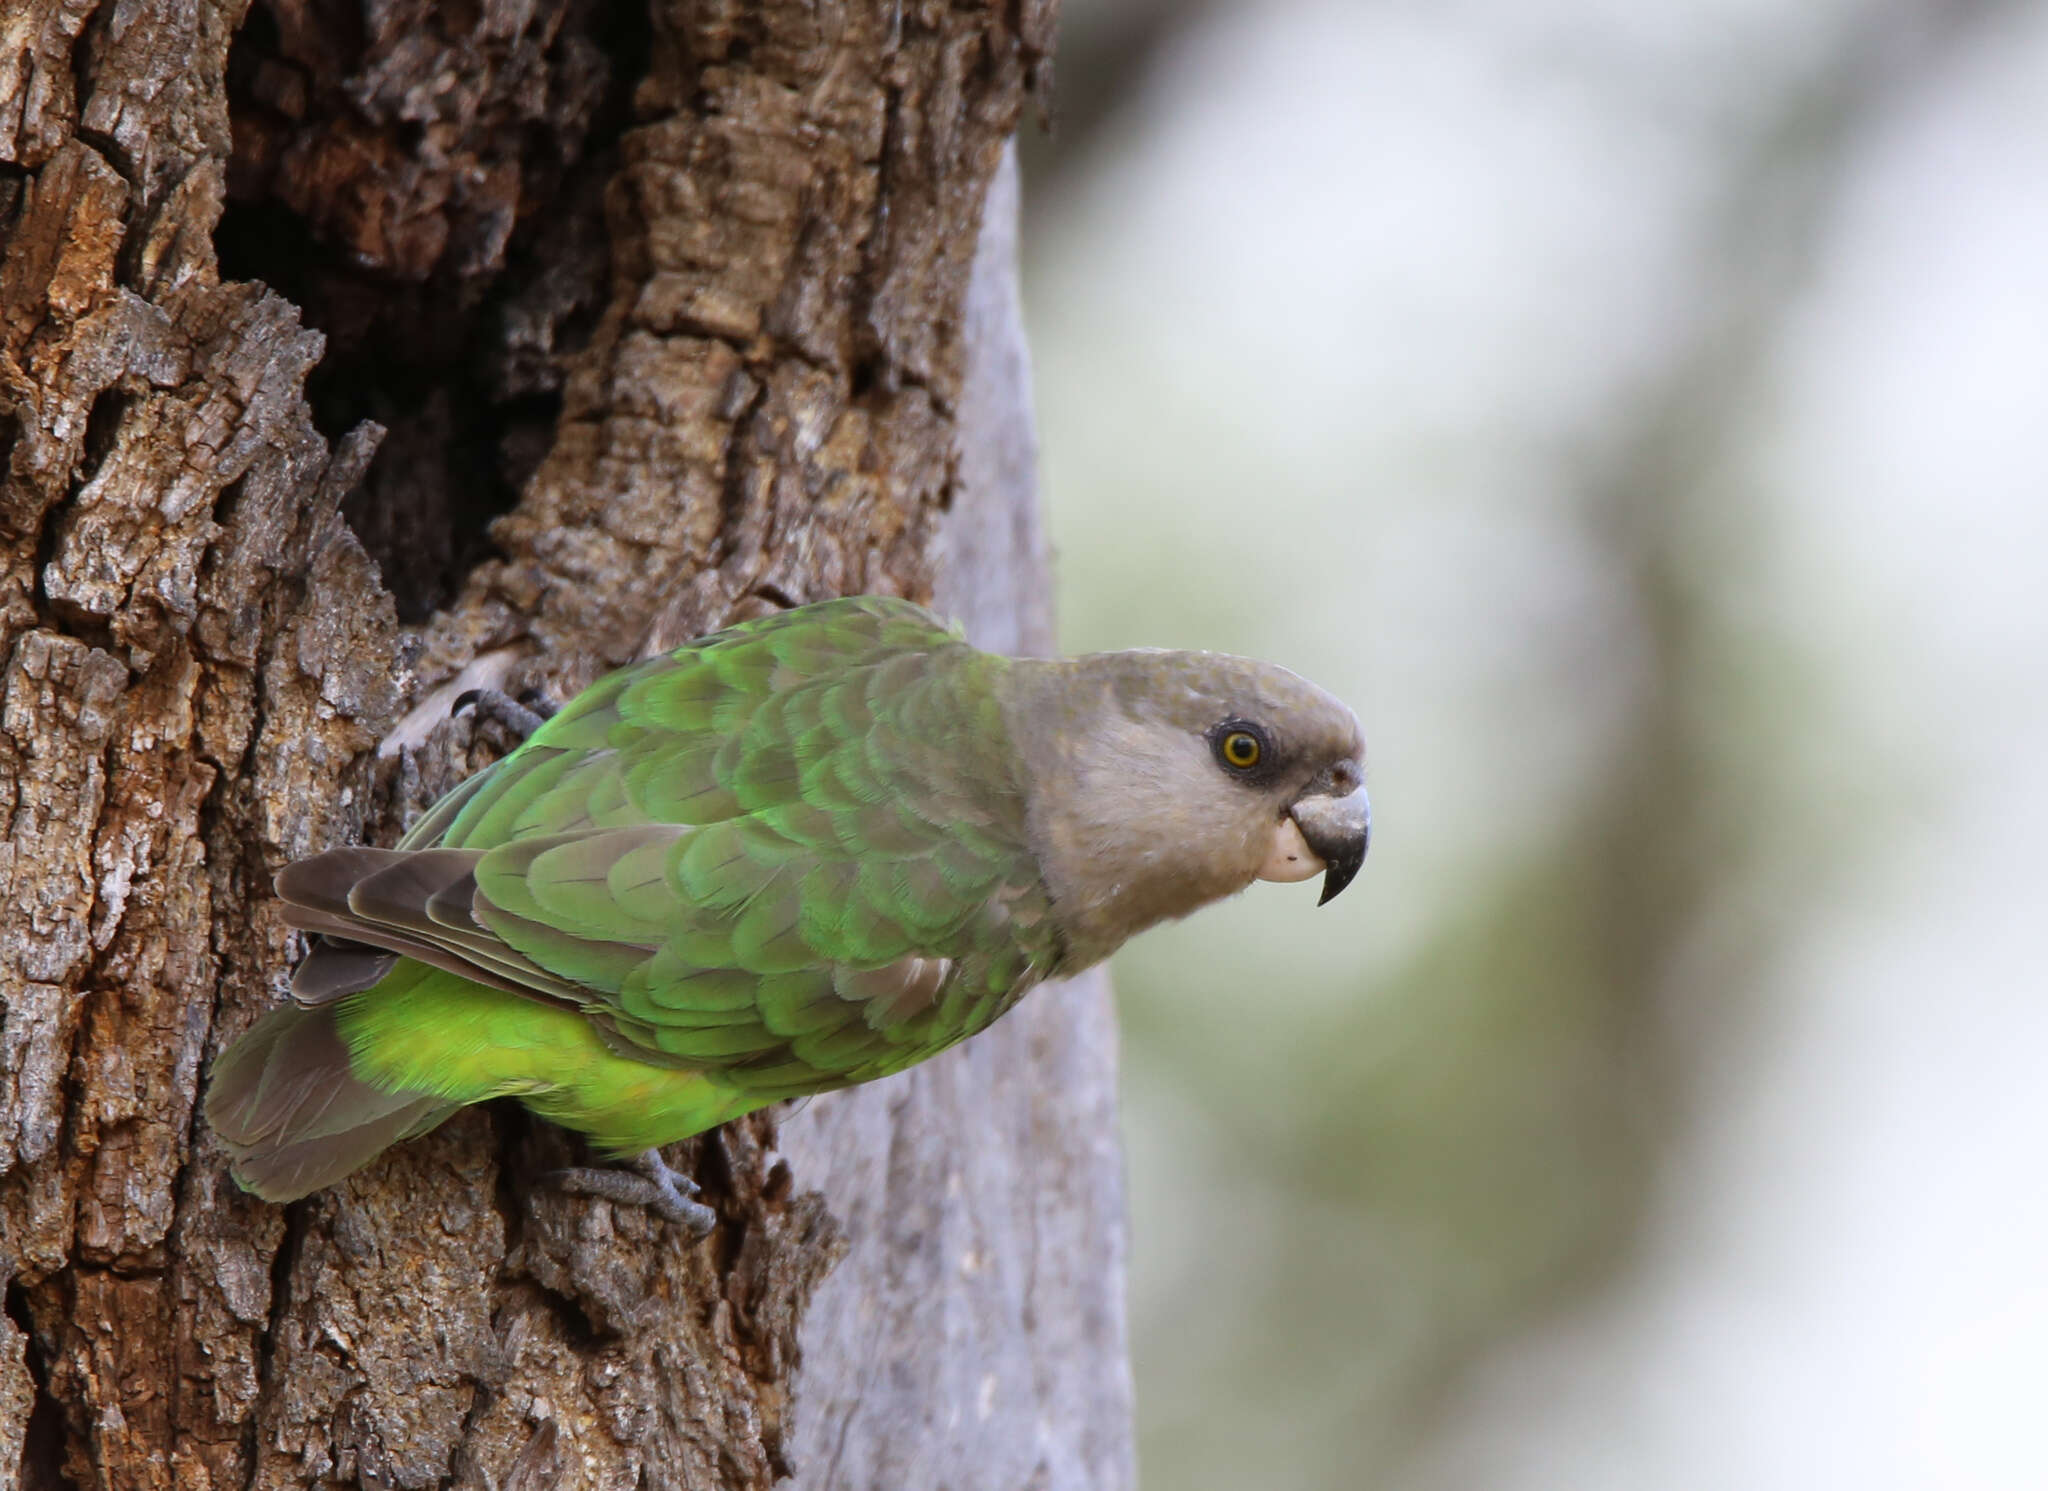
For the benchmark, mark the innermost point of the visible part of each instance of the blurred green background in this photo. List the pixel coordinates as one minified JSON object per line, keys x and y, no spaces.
{"x":1640,"y":414}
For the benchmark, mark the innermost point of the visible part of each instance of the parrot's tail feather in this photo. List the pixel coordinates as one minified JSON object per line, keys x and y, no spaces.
{"x":294,"y":1115}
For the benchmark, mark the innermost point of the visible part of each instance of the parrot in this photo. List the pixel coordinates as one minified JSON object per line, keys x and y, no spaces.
{"x":804,"y":852}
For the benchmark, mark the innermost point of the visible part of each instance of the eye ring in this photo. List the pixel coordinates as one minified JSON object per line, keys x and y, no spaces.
{"x":1240,"y":746}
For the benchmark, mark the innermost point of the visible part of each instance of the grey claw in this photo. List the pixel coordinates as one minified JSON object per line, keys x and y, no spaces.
{"x":649,"y":1183}
{"x":493,"y":704}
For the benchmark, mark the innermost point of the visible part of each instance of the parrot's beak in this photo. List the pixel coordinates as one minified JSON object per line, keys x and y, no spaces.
{"x":1336,"y":830}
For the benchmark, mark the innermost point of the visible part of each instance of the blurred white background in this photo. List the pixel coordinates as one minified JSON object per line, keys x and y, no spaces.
{"x":1640,"y":414}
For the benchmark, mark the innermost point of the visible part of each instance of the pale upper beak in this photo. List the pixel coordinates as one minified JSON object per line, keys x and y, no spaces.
{"x":1321,"y":834}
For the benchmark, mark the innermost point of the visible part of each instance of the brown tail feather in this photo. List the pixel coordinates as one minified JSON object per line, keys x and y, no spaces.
{"x":295,"y":1117}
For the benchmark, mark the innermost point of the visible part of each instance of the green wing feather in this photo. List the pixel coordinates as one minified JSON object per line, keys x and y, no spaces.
{"x":790,"y":855}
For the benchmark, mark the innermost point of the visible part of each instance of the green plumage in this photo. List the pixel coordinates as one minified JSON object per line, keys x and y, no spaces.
{"x":782,"y":859}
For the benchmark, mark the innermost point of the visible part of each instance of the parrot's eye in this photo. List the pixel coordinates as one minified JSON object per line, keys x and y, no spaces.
{"x":1240,"y":746}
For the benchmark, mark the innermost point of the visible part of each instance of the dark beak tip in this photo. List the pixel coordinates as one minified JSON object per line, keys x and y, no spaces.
{"x":1340,"y":874}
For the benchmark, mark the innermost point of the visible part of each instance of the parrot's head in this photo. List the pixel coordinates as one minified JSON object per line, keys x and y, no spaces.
{"x":1162,"y":781}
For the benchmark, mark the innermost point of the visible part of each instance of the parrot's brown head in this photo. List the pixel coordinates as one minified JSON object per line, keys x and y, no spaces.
{"x":1161,"y":781}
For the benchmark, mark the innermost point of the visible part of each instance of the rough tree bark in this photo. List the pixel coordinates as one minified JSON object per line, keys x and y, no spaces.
{"x":295,"y":296}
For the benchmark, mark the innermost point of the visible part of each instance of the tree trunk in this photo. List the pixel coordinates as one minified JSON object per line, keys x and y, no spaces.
{"x":694,"y":301}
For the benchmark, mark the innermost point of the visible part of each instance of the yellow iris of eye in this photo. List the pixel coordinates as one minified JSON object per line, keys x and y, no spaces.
{"x":1241,"y":749}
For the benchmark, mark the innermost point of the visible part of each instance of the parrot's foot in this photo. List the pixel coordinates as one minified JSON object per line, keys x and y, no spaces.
{"x":521,"y":720}
{"x":646,"y":1180}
